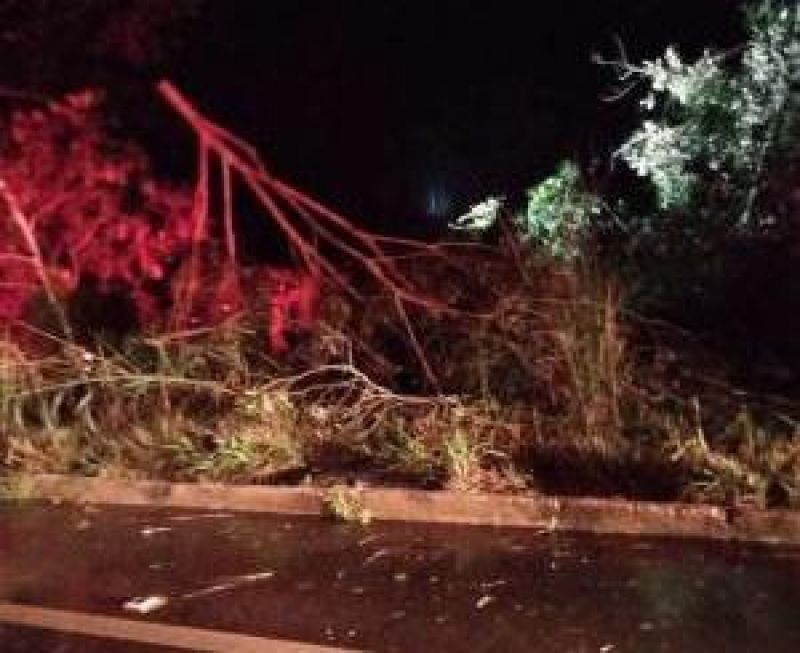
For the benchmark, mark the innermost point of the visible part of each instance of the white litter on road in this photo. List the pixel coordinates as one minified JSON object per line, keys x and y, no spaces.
{"x":147,"y":531}
{"x":145,"y":604}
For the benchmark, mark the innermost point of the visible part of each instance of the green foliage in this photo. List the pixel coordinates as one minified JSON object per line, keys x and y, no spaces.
{"x":559,"y":213}
{"x":663,"y":150}
{"x":715,"y":125}
{"x":558,"y":216}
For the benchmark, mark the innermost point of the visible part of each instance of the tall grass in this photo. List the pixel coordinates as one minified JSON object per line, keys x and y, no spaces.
{"x":547,"y":391}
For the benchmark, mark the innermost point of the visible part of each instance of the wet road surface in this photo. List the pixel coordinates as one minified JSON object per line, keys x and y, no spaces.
{"x":17,"y":639}
{"x":392,"y":587}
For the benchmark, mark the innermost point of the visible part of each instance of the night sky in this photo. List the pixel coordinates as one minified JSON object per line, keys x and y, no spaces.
{"x":397,"y":112}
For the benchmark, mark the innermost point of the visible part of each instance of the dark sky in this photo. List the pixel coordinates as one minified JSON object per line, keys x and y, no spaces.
{"x":380,"y":106}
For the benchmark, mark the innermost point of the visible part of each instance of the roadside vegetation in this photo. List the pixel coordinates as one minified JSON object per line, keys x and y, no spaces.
{"x":630,"y":334}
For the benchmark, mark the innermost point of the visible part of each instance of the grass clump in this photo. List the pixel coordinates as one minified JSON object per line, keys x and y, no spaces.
{"x":345,"y":505}
{"x":544,"y":384}
{"x":17,"y":487}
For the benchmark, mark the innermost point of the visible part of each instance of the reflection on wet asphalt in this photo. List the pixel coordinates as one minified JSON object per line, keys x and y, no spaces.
{"x":401,"y":587}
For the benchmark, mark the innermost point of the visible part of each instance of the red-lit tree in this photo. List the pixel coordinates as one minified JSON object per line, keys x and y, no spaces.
{"x":78,"y":207}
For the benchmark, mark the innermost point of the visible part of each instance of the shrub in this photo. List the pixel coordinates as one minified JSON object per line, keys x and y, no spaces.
{"x":714,"y":128}
{"x":719,"y":147}
{"x":561,"y":213}
{"x":93,"y":214}
{"x":559,"y":216}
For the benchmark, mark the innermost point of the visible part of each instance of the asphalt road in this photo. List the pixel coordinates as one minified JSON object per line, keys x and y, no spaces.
{"x":114,"y":579}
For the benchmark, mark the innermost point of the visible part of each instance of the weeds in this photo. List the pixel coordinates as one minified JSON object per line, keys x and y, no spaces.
{"x":548,"y":383}
{"x":449,"y":365}
{"x":743,"y":463}
{"x":345,"y":505}
{"x":462,"y":460}
{"x":17,"y":487}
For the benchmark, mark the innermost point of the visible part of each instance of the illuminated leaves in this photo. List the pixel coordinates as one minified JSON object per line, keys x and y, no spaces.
{"x":560,"y":212}
{"x":96,"y":215}
{"x":721,"y":118}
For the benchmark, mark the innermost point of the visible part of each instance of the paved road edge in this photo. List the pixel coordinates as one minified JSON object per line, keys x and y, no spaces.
{"x":612,"y":516}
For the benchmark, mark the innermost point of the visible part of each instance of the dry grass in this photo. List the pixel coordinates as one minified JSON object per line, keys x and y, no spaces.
{"x":538,"y":387}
